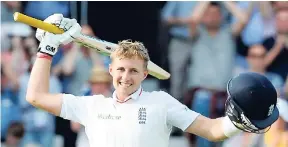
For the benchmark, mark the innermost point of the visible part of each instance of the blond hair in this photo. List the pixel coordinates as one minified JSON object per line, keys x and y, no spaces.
{"x":131,"y":50}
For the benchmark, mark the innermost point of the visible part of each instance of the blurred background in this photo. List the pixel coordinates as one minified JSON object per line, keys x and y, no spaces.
{"x":202,"y":45}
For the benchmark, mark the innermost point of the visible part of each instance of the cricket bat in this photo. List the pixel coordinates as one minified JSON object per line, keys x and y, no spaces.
{"x":101,"y":46}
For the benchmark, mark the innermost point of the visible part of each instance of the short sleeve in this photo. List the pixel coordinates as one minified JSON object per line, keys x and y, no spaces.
{"x":76,"y":108}
{"x":168,"y":10}
{"x":278,"y":82}
{"x":178,"y":115}
{"x":268,"y":43}
{"x":283,"y":109}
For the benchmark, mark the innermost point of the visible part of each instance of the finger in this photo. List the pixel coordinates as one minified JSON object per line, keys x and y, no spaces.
{"x":72,"y":33}
{"x":75,"y":29}
{"x":64,"y":23}
{"x":39,"y":34}
{"x":57,"y":19}
{"x":70,"y":24}
{"x":67,"y":24}
{"x":54,"y":19}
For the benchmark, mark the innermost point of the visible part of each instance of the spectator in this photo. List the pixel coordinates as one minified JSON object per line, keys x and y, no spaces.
{"x":7,"y":10}
{"x":277,"y":135}
{"x":14,"y":59}
{"x":14,"y":62}
{"x":277,"y":45}
{"x":78,"y":62}
{"x":262,"y":22}
{"x":39,"y":125}
{"x":285,"y":89}
{"x":215,"y":42}
{"x":212,"y":58}
{"x":14,"y":135}
{"x":10,"y":110}
{"x":256,"y":58}
{"x":176,"y":16}
{"x":260,"y":25}
{"x":100,"y":83}
{"x":256,"y":61}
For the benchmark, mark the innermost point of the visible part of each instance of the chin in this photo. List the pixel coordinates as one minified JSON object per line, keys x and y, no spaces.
{"x":126,"y":91}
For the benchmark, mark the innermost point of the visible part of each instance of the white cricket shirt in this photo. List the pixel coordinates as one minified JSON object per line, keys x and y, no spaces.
{"x":145,"y":119}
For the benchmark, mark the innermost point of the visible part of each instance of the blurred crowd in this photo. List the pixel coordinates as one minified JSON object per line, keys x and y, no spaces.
{"x":75,"y":69}
{"x":206,"y":43}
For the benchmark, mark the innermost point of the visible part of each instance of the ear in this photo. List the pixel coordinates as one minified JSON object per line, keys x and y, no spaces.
{"x":145,"y":74}
{"x":110,"y":69}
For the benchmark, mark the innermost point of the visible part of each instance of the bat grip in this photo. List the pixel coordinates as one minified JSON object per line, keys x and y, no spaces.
{"x":19,"y":17}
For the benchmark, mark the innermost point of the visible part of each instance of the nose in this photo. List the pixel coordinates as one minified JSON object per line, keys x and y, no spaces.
{"x":126,"y":76}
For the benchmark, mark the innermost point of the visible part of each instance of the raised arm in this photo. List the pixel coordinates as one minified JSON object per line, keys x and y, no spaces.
{"x":286,"y":87}
{"x":38,"y":87}
{"x":275,"y":50}
{"x":196,"y":17}
{"x":168,"y":15}
{"x":266,"y":9}
{"x":242,"y":16}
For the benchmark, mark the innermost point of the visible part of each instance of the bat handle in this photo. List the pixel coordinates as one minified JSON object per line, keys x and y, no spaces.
{"x":19,"y":17}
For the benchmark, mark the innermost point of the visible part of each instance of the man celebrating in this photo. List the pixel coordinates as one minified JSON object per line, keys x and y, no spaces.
{"x":135,"y":118}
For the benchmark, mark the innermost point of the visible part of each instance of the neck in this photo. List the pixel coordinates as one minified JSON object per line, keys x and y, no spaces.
{"x":261,"y":71}
{"x":212,"y":32}
{"x":123,"y":96}
{"x":11,"y":145}
{"x":12,"y":142}
{"x":85,"y":52}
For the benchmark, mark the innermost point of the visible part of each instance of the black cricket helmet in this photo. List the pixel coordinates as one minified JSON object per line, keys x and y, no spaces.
{"x":251,"y":102}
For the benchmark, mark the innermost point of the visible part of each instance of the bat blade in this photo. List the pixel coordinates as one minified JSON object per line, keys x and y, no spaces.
{"x":101,"y":46}
{"x":106,"y":48}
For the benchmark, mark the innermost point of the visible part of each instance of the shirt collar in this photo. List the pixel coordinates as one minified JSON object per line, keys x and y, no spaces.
{"x":134,"y":95}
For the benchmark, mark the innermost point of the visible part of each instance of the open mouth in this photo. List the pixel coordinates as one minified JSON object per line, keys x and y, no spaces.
{"x":125,"y":84}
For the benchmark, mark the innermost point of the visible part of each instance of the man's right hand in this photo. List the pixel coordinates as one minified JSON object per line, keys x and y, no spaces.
{"x":50,"y":42}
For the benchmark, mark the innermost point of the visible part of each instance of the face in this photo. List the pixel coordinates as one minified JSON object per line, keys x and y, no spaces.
{"x":282,"y":21}
{"x":127,"y":75}
{"x":87,"y":30}
{"x":212,"y":17}
{"x":12,"y":140}
{"x":280,"y":5}
{"x":256,"y":56}
{"x":4,"y":82}
{"x":99,"y":88}
{"x":16,"y":42}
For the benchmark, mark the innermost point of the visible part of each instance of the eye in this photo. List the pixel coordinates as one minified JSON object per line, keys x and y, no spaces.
{"x":135,"y":71}
{"x":120,"y":69}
